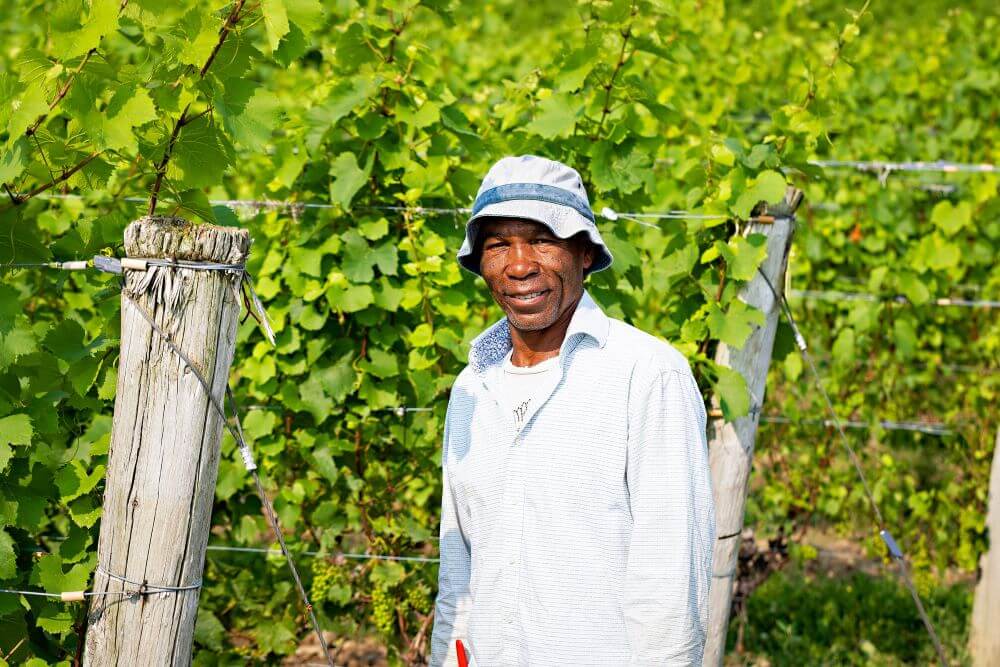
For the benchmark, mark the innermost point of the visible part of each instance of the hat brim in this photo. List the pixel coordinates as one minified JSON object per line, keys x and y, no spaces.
{"x":563,"y":221}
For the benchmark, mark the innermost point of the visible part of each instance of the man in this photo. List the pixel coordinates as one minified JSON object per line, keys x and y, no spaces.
{"x":577,"y":519}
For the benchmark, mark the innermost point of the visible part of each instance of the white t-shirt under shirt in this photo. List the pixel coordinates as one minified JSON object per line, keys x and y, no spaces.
{"x":521,"y":384}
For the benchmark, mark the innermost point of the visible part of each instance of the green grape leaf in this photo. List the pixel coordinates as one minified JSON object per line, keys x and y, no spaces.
{"x":65,"y":340}
{"x":383,"y":364}
{"x":195,"y":201}
{"x":55,"y":620}
{"x":345,"y":96}
{"x":555,"y":116}
{"x":201,"y":40}
{"x":731,"y":390}
{"x":743,"y":255}
{"x":32,"y":103}
{"x":575,"y":68}
{"x":259,"y":423}
{"x":308,"y":15}
{"x":84,"y":511}
{"x":200,"y":156}
{"x":843,"y":347}
{"x":73,"y":481}
{"x":8,"y":559}
{"x":614,"y":168}
{"x":14,"y":159}
{"x":913,"y":288}
{"x":324,"y":464}
{"x":113,"y":128}
{"x":16,"y":429}
{"x":770,"y":186}
{"x":350,"y":298}
{"x":951,"y":218}
{"x":275,"y":21}
{"x":101,"y":20}
{"x":49,"y":574}
{"x":386,"y":257}
{"x":735,"y":325}
{"x":250,"y":125}
{"x":338,"y":380}
{"x":387,"y":573}
{"x":723,"y":155}
{"x":374,"y":229}
{"x":315,"y":399}
{"x":348,"y":179}
{"x":422,"y":335}
{"x":208,"y":630}
{"x":358,"y":259}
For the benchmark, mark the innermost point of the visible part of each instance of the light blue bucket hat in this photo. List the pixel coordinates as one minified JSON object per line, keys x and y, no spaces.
{"x":528,"y":187}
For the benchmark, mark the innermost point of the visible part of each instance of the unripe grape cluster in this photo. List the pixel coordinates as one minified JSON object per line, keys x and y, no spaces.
{"x":383,"y":610}
{"x":325,"y":575}
{"x":418,"y":597}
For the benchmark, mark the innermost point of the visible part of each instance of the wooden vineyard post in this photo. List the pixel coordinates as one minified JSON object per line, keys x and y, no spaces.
{"x":165,"y":440}
{"x":731,"y":444}
{"x":984,"y":634}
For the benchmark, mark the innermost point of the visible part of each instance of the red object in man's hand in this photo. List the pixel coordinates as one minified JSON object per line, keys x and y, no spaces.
{"x":460,"y":650}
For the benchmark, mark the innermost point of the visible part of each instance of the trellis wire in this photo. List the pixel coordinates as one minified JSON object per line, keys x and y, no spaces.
{"x":67,"y":595}
{"x":943,"y":166}
{"x":928,"y":428}
{"x":816,"y":295}
{"x":835,"y":295}
{"x":318,"y":554}
{"x":259,"y":204}
{"x":894,"y":550}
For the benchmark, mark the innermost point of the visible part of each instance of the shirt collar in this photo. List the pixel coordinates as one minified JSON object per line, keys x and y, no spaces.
{"x":491,"y":346}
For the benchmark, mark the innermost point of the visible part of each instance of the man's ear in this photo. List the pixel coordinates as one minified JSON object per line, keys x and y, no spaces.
{"x":588,"y":254}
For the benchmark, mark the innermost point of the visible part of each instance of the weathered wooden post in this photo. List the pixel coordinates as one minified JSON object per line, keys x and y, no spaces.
{"x":165,"y":439}
{"x":731,"y":444}
{"x":984,"y":635}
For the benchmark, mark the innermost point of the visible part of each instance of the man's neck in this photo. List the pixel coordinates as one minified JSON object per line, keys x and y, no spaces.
{"x":534,"y":347}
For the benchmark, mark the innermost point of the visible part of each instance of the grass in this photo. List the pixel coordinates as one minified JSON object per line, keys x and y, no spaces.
{"x":799,"y":619}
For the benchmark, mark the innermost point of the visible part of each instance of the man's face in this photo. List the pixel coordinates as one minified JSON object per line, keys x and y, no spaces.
{"x":533,"y":274}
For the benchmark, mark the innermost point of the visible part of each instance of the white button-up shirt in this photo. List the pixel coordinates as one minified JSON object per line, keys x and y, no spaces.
{"x":586,"y":537}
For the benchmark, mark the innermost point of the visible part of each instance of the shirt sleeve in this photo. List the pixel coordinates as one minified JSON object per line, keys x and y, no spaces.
{"x":451,"y":609}
{"x":673,"y":520}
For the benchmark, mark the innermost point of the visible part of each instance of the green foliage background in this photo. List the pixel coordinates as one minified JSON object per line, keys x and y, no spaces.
{"x":704,"y":106}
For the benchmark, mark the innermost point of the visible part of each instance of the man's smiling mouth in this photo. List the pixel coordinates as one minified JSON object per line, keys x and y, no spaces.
{"x":527,"y":297}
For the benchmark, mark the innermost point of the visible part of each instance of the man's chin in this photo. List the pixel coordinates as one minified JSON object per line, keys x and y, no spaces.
{"x":530,"y":322}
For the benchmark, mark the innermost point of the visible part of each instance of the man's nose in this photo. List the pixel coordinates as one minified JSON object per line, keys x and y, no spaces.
{"x":521,"y":261}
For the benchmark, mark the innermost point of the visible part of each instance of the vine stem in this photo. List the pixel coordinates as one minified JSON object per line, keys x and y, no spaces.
{"x":66,"y":86}
{"x":231,"y":20}
{"x":811,"y":93}
{"x":61,"y":94}
{"x":703,"y":348}
{"x":407,"y":221}
{"x":17,"y":199}
{"x":161,"y":167}
{"x":609,"y":86}
{"x":397,"y":30}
